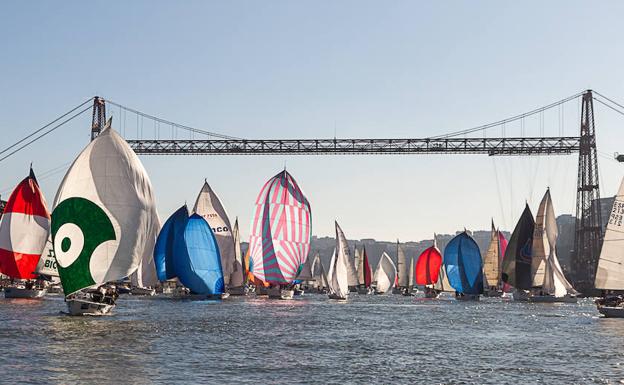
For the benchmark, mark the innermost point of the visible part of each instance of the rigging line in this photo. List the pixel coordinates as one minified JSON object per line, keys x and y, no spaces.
{"x":46,"y":133}
{"x":512,"y":119}
{"x":611,"y":100}
{"x":611,"y":107}
{"x":46,"y":126}
{"x":167,"y":122}
{"x":43,"y":176}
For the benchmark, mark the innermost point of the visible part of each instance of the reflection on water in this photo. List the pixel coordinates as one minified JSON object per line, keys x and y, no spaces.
{"x":383,"y":339}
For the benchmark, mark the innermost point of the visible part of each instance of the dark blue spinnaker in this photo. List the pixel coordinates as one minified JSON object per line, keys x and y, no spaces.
{"x":164,"y":248}
{"x":462,"y":260}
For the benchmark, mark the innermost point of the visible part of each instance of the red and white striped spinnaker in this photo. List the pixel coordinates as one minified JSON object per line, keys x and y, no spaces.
{"x":23,"y":230}
{"x":280,"y":231}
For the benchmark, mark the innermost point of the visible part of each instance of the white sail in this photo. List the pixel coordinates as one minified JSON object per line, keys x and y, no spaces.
{"x":237,"y":277}
{"x":610,"y":272}
{"x":209,"y":206}
{"x":316,"y":270}
{"x":324,"y":282}
{"x":103,"y":218}
{"x":443,"y":284}
{"x":47,"y":262}
{"x":338,"y":275}
{"x":145,"y":274}
{"x":554,"y":281}
{"x":306,"y":271}
{"x":491,"y":264}
{"x":358,"y":264}
{"x":385,"y":275}
{"x":402,"y":269}
{"x":344,"y":253}
{"x":411,"y":273}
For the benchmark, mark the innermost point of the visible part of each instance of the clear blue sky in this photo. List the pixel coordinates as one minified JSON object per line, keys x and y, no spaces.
{"x":318,"y":69}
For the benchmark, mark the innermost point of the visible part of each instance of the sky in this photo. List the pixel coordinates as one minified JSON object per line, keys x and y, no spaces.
{"x":322,"y":69}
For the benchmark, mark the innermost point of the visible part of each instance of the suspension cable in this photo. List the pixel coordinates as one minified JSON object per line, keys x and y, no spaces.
{"x":508,"y":120}
{"x":169,"y":123}
{"x":44,"y":134}
{"x":46,"y":126}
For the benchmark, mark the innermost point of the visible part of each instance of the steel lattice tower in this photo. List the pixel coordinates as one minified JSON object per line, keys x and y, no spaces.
{"x":588,"y":239}
{"x":99,"y":117}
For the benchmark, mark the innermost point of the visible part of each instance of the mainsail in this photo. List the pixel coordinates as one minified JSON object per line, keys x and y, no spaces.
{"x":197,"y":259}
{"x":402,"y":268}
{"x":491,"y":261}
{"x":209,"y":206}
{"x":281,"y":230}
{"x":428,"y":266}
{"x":610,"y":273}
{"x":516,"y":267}
{"x":338,"y":276}
{"x":443,"y":283}
{"x":343,"y":247}
{"x":364,"y":270}
{"x":47,"y":263}
{"x":164,"y":249}
{"x":24,"y":229}
{"x":306,"y":271}
{"x":463,"y":263}
{"x":237,"y":278}
{"x":553,"y":281}
{"x":103,"y":216}
{"x":385,"y":275}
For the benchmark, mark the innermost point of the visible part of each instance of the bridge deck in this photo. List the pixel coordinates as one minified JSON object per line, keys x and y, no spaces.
{"x":488,"y":146}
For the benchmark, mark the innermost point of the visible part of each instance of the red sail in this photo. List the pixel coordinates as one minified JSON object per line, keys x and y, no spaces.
{"x":23,"y":230}
{"x":502,"y":246}
{"x":428,"y":266}
{"x":367,"y":269}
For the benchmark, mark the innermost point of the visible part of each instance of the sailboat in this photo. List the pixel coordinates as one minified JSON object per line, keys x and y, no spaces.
{"x":47,"y":269}
{"x":237,"y":278}
{"x":402,"y":272}
{"x":549,"y":284}
{"x":340,"y":274}
{"x":104,"y":216}
{"x":516,"y":267}
{"x":24,"y":230}
{"x":610,"y":272}
{"x":164,"y":252}
{"x":443,"y":285}
{"x":144,"y":279}
{"x":385,"y":275}
{"x":304,"y":277}
{"x":364,"y":274}
{"x":197,"y":260}
{"x":280,"y":234}
{"x":464,"y":267}
{"x":209,"y":206}
{"x":428,"y":269}
{"x":320,"y":277}
{"x":492,"y":263}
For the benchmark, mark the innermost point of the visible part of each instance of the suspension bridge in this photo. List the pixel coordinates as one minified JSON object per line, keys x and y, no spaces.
{"x":588,"y":236}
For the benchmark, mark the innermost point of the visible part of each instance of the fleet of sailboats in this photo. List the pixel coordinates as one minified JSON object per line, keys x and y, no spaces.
{"x":104,"y":229}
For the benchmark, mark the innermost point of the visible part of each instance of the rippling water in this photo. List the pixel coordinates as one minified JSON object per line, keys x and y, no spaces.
{"x":370,"y":339}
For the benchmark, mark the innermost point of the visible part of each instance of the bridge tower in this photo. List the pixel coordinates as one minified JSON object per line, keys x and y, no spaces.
{"x":99,"y":117}
{"x":588,"y":237}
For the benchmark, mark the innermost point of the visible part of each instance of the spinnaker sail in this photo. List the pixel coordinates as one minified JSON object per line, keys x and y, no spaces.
{"x":164,"y":249}
{"x":428,"y":266}
{"x":24,"y":229}
{"x":197,"y":259}
{"x":280,"y":231}
{"x":463,"y":263}
{"x":385,"y":275}
{"x":103,"y":214}
{"x":209,"y":206}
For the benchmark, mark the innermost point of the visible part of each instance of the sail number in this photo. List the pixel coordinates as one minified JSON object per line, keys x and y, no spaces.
{"x":617,"y":214}
{"x":223,"y":229}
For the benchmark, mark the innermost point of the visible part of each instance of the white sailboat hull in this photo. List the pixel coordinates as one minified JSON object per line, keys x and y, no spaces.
{"x":79,"y":307}
{"x":611,"y":311}
{"x":18,"y":292}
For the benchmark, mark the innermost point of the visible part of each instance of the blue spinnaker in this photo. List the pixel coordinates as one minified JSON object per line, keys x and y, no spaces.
{"x":197,"y":258}
{"x":462,"y":260}
{"x":164,"y":248}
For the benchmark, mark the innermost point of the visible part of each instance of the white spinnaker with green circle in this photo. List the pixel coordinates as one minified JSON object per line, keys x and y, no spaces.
{"x":104,"y":217}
